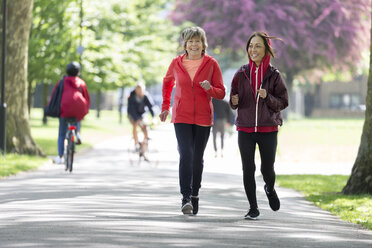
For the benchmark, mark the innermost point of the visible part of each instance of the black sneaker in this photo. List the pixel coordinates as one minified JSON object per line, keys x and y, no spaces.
{"x":252,"y":214}
{"x":273,"y":199}
{"x":186,"y":206}
{"x":195,"y":204}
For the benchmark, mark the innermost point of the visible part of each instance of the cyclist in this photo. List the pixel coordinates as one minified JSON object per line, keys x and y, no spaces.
{"x":137,"y":101}
{"x":75,"y":103}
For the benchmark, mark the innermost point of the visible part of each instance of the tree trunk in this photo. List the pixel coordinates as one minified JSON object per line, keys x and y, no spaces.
{"x":289,"y":83}
{"x":18,"y":135}
{"x":45,"y":102}
{"x":360,"y":181}
{"x":121,"y":101}
{"x":98,"y":101}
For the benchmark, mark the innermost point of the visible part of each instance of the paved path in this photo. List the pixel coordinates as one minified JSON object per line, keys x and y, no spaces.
{"x":109,"y":202}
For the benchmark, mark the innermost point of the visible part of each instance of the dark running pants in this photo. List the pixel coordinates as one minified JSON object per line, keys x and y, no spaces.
{"x":192,"y":140}
{"x":267,"y":143}
{"x":218,"y":127}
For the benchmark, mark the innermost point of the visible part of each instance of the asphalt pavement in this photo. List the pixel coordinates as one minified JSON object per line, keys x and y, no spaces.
{"x":112,"y":199}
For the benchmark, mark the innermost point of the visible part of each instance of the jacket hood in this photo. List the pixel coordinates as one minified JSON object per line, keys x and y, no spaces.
{"x":75,"y":82}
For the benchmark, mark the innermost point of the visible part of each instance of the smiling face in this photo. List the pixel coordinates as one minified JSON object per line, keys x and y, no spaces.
{"x":194,"y":47}
{"x":256,"y":50}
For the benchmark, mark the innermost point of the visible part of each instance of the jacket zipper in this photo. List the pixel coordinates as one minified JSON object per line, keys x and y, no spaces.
{"x":193,"y":93}
{"x":257,"y":98}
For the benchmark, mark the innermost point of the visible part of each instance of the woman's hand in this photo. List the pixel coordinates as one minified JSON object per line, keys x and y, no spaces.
{"x":205,"y":85}
{"x":235,"y":99}
{"x":262,"y":93}
{"x":163,"y":115}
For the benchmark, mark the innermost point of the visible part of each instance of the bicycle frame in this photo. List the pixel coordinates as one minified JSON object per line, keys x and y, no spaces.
{"x":70,"y":143}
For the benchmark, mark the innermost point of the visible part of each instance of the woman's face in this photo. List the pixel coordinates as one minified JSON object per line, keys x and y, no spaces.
{"x":194,"y":48}
{"x":256,"y":50}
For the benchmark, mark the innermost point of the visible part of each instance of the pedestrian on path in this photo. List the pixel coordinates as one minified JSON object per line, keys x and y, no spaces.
{"x":222,"y":117}
{"x":199,"y":78}
{"x":259,"y":93}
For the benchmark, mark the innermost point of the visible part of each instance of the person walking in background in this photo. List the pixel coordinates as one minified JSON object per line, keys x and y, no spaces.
{"x":199,"y":78}
{"x":137,"y":101}
{"x":222,"y":117}
{"x":259,"y":93}
{"x":75,"y":103}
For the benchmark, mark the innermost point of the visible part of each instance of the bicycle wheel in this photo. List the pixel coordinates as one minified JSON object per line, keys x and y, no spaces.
{"x":70,"y":154}
{"x":66,"y":153}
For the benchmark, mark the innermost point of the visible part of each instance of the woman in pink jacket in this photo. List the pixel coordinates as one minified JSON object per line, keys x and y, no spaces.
{"x":199,"y":78}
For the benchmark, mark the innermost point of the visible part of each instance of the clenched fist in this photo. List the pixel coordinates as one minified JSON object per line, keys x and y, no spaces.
{"x":163,"y":115}
{"x":205,"y":85}
{"x":235,"y":99}
{"x":262,"y":93}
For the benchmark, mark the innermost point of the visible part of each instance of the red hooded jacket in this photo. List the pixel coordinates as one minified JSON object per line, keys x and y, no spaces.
{"x":192,"y":103}
{"x":75,"y":100}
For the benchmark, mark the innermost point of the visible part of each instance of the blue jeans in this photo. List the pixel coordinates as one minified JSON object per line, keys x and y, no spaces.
{"x":192,"y":140}
{"x":62,"y":134}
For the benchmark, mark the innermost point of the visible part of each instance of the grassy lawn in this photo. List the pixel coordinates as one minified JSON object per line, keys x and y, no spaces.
{"x":93,"y":130}
{"x":319,"y":140}
{"x":324,"y":192}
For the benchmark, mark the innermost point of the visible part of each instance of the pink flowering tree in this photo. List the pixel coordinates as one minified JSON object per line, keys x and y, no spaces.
{"x":316,"y":34}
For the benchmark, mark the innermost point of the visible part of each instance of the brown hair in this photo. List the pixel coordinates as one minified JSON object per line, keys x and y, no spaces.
{"x":266,"y":39}
{"x":192,"y":32}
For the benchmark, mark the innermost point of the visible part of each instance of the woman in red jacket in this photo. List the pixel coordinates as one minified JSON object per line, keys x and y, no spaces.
{"x":199,"y":78}
{"x":259,"y":93}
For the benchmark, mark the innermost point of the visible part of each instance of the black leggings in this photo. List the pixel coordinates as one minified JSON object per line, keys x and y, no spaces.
{"x":267,"y":143}
{"x":192,"y":140}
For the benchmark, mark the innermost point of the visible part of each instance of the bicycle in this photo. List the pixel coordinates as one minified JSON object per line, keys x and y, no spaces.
{"x":70,"y":143}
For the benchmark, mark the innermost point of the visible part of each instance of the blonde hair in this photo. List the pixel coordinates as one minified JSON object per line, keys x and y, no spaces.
{"x":192,"y":32}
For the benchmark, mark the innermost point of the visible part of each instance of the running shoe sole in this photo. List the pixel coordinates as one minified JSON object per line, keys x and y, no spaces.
{"x":187,"y":208}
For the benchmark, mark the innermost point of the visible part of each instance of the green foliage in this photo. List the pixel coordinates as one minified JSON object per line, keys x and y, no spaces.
{"x":124,"y":42}
{"x":53,"y":40}
{"x":129,"y":43}
{"x":324,"y":191}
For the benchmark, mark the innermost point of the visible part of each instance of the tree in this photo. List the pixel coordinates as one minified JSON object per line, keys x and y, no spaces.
{"x":129,"y":43}
{"x":18,"y":29}
{"x":52,"y":44}
{"x":360,"y":181}
{"x":317,"y":34}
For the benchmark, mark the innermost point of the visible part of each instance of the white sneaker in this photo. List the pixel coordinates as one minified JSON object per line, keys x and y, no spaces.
{"x":78,"y":139}
{"x":59,"y":160}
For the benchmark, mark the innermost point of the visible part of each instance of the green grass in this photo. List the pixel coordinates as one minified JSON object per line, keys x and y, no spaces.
{"x":324,"y":192}
{"x":307,"y":140}
{"x":12,"y":164}
{"x":93,"y":130}
{"x":324,"y":131}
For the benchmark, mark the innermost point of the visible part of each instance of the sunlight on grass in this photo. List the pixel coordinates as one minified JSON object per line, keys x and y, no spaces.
{"x":324,"y":191}
{"x":11,"y":164}
{"x":93,"y":130}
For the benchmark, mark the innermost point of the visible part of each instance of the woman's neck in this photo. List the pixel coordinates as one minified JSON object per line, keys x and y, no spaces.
{"x":194,"y":57}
